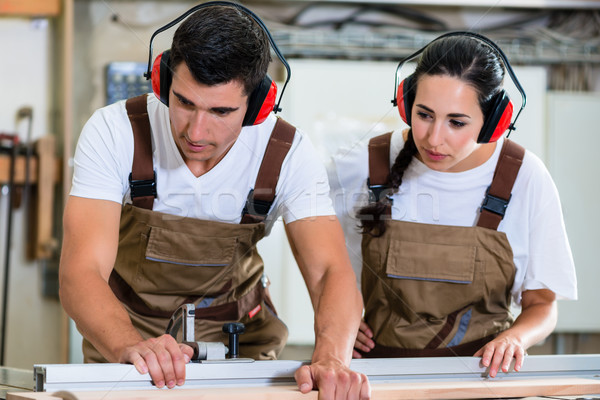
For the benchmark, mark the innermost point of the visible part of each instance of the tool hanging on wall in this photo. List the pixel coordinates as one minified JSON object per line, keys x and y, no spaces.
{"x":9,"y":143}
{"x":22,"y":113}
{"x":29,"y":172}
{"x":17,"y":193}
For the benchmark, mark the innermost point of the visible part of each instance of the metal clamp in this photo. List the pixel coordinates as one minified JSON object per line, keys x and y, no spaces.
{"x":184,"y":317}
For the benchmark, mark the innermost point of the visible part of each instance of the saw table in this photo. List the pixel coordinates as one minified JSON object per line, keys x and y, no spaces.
{"x":13,"y":380}
{"x":405,"y":378}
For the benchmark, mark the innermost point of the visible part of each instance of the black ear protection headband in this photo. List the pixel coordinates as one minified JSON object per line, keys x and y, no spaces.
{"x":262,"y":99}
{"x":497,"y":120}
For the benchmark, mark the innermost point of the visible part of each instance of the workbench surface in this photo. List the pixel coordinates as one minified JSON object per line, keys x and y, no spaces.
{"x":380,"y":391}
{"x":15,"y":380}
{"x":418,"y":378}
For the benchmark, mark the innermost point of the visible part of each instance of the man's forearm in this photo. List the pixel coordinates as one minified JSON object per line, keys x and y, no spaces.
{"x":337,"y":317}
{"x":320,"y":251}
{"x":99,"y":316}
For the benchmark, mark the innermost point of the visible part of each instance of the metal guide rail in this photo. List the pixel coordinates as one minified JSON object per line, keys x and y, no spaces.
{"x":241,"y":373}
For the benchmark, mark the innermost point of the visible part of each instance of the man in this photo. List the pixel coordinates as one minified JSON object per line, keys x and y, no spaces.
{"x":125,"y":268}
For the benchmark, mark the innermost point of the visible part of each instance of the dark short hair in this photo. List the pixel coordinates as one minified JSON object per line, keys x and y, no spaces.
{"x":220,"y":44}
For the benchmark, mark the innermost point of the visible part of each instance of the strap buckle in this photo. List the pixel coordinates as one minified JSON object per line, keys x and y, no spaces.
{"x":375,"y":192}
{"x":142,"y":187}
{"x":495,"y":204}
{"x":256,"y":207}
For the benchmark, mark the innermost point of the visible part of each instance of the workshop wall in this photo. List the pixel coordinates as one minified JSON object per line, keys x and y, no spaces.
{"x":33,"y":331}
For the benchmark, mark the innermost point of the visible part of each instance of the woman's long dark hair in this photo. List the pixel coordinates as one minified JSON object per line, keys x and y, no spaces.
{"x":468,"y":59}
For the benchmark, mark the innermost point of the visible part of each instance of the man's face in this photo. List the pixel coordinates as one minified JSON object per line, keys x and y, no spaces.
{"x":205,"y":120}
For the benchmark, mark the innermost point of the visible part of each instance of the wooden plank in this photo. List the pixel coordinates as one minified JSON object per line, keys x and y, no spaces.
{"x":489,"y":388}
{"x":30,"y":7}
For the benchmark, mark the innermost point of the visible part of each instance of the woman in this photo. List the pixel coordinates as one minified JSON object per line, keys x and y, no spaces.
{"x":456,"y":220}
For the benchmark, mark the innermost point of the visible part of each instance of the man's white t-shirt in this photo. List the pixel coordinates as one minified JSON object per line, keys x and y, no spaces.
{"x":533,"y":222}
{"x":104,"y":156}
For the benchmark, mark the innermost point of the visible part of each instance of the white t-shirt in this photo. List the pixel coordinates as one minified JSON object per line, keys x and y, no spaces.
{"x":104,"y":156}
{"x":533,"y":221}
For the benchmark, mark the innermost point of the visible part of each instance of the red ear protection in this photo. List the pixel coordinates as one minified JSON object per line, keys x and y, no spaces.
{"x":161,"y":77}
{"x":496,"y":122}
{"x":267,"y":105}
{"x":260,"y":102}
{"x":405,"y":97}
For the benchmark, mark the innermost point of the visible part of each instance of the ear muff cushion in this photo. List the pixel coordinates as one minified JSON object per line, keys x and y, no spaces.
{"x":504,"y":122}
{"x":268,"y":104}
{"x":405,"y":98}
{"x":161,"y":77}
{"x":261,"y":102}
{"x":498,"y":119}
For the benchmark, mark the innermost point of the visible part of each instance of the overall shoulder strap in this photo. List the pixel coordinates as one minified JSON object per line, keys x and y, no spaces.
{"x":260,"y":199}
{"x":142,"y":179}
{"x":379,"y":165}
{"x":499,"y":193}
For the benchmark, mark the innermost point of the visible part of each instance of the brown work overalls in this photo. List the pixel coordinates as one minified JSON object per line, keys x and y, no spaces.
{"x":164,"y":261}
{"x":435,"y":290}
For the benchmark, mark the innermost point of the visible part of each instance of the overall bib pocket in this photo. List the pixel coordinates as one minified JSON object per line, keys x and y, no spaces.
{"x":419,"y":271}
{"x":187,"y":264}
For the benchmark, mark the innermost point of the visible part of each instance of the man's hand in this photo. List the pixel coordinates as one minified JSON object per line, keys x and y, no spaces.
{"x":364,"y":340}
{"x":334,"y":380}
{"x":162,"y":357}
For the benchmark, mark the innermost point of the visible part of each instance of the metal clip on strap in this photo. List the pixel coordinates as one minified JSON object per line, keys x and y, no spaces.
{"x":375,"y":192}
{"x":495,"y":204}
{"x":255,"y":206}
{"x":142,"y":188}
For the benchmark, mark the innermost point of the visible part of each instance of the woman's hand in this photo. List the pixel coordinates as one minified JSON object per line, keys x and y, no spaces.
{"x":364,"y":340}
{"x":535,"y":323}
{"x":499,"y":353}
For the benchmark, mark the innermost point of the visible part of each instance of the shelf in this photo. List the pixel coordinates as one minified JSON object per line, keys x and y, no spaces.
{"x":49,"y":8}
{"x":489,"y":4}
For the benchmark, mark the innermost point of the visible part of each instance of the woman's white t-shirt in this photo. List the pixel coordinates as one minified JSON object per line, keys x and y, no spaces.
{"x":533,"y":222}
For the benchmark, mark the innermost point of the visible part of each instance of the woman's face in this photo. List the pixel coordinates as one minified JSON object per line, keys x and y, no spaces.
{"x":446,"y":120}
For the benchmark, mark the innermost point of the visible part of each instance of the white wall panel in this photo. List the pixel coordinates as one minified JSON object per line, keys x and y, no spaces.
{"x":573,"y":159}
